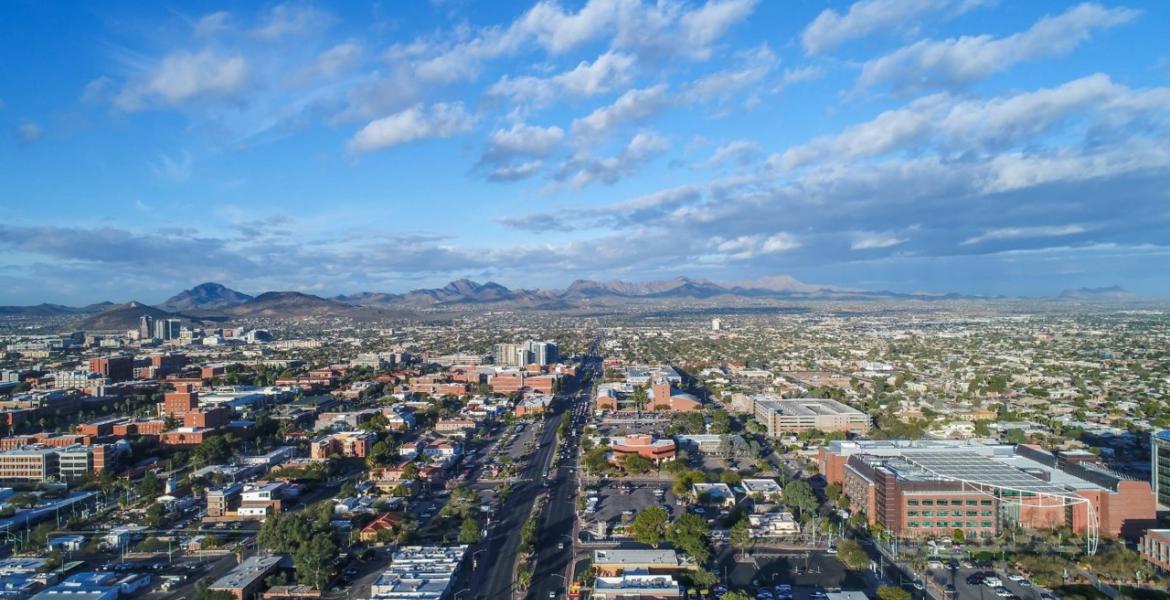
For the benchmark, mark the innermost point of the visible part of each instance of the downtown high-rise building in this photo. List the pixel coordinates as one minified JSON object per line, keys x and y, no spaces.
{"x":527,"y":353}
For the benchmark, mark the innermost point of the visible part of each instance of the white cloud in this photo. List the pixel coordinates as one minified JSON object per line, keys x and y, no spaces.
{"x":956,"y":62}
{"x":831,"y":29}
{"x":740,"y":152}
{"x":757,"y":64}
{"x":780,"y":242}
{"x":212,"y":23}
{"x":415,"y":123}
{"x":954,"y":124}
{"x":515,"y":172}
{"x":632,"y":106}
{"x":335,"y":61}
{"x":866,"y":240}
{"x":657,"y":29}
{"x":747,"y":247}
{"x":285,"y":20}
{"x":97,"y":90}
{"x":523,"y":140}
{"x":711,"y":21}
{"x":182,"y":77}
{"x":583,"y":170}
{"x":1018,"y":233}
{"x":609,"y":71}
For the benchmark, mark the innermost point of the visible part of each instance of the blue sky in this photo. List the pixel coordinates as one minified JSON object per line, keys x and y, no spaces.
{"x":945,"y":145}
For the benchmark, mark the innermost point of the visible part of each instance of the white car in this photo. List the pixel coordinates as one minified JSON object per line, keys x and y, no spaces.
{"x":993,"y":582}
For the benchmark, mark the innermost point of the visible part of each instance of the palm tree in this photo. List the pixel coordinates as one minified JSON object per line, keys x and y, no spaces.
{"x":640,"y":399}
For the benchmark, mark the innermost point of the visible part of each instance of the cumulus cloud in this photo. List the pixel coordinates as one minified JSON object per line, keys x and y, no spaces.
{"x":183,"y":76}
{"x":950,"y":123}
{"x":335,"y":61}
{"x":416,"y":123}
{"x":957,"y":62}
{"x":609,"y":71}
{"x":212,"y":24}
{"x":523,"y":140}
{"x":285,"y":20}
{"x":756,"y":65}
{"x":515,"y":172}
{"x":583,"y":170}
{"x":738,"y":152}
{"x":831,"y":28}
{"x":746,"y":247}
{"x":707,"y":24}
{"x":631,"y":107}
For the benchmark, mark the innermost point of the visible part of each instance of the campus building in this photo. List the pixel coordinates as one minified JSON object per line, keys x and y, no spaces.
{"x":1160,"y":467}
{"x":795,"y":415}
{"x":646,"y":446}
{"x":933,"y":487}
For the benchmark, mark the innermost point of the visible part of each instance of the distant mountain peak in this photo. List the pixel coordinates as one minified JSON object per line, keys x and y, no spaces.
{"x":205,"y":296}
{"x":1112,"y":292}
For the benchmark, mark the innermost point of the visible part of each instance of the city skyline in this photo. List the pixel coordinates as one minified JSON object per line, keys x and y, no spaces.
{"x":955,"y":146}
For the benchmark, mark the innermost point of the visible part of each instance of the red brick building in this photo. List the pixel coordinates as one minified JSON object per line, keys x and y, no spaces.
{"x":114,"y":368}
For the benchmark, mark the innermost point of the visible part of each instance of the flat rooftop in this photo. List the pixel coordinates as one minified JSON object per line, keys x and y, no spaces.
{"x":635,"y":557}
{"x":807,"y":407}
{"x":246,"y":573}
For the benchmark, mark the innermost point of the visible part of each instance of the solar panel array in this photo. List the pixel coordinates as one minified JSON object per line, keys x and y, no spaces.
{"x":974,"y":468}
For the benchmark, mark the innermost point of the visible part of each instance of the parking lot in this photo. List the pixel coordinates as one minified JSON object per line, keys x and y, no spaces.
{"x":968,"y":588}
{"x":808,"y":573}
{"x":622,"y":500}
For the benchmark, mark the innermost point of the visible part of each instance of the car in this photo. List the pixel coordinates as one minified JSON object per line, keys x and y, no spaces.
{"x":561,"y":546}
{"x":918,"y":586}
{"x":1004,"y":593}
{"x":552,"y":594}
{"x":1016,"y":577}
{"x":993,"y":582}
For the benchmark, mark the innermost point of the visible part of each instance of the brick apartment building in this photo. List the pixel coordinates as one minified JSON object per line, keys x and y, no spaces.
{"x":350,"y":444}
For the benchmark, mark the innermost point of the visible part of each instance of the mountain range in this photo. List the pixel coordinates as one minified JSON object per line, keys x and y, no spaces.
{"x":216,"y":302}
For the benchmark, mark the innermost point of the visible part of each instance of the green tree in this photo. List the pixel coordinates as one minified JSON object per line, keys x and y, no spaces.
{"x":314,"y":561}
{"x":704,"y":579}
{"x":382,"y":453}
{"x":639,"y":398}
{"x":649,"y":526}
{"x":637,"y":464}
{"x":833,"y":492}
{"x":852,"y":555}
{"x":691,"y":534}
{"x":798,"y":494}
{"x":741,"y":535}
{"x":214,"y":450}
{"x":736,"y":595}
{"x":150,"y":486}
{"x":469,"y":531}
